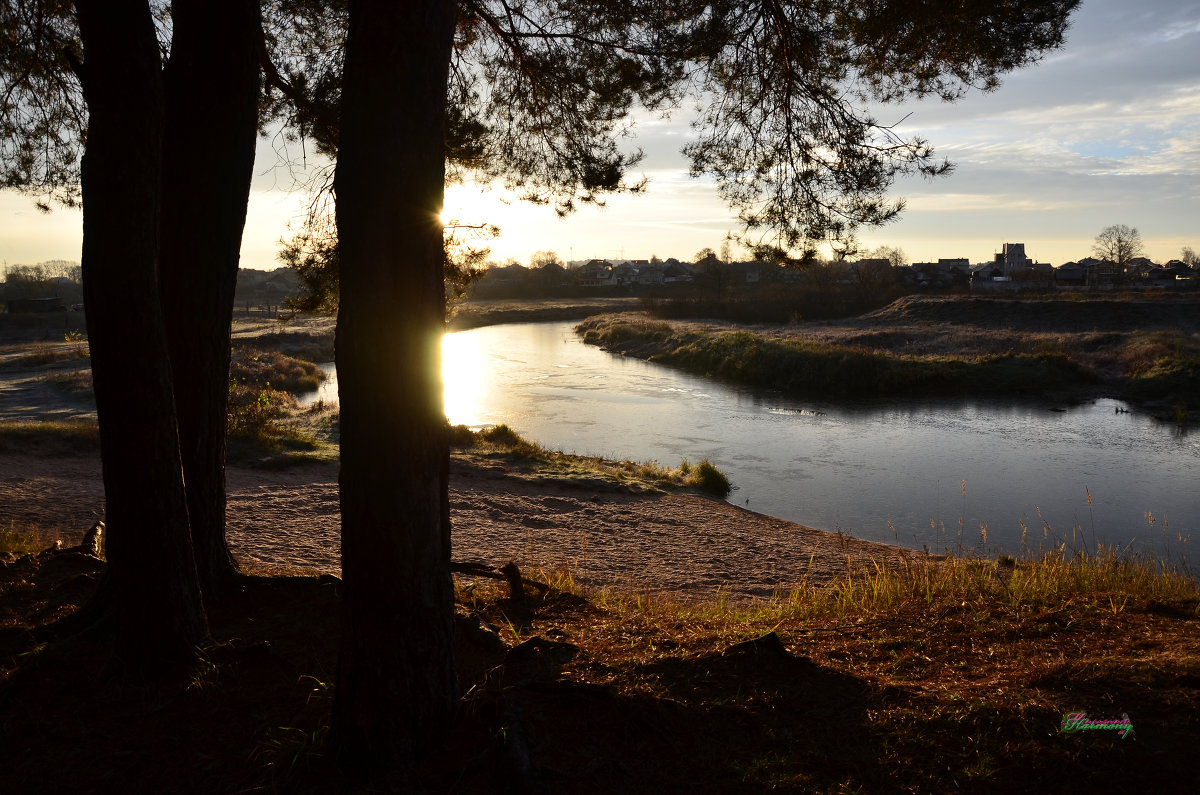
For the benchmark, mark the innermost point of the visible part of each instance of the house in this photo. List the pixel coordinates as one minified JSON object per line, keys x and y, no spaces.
{"x":1140,"y":268}
{"x":1012,"y":258}
{"x":944,"y":271}
{"x":675,"y":272}
{"x":1182,"y":274}
{"x":986,"y":271}
{"x":625,"y":273}
{"x":596,"y":273}
{"x":746,"y":272}
{"x":1100,"y":273}
{"x":650,"y":275}
{"x":1011,"y":268}
{"x":1070,"y":274}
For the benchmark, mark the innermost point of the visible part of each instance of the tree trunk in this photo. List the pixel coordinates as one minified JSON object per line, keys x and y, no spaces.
{"x":156,"y":601}
{"x":396,"y":684}
{"x":212,"y":83}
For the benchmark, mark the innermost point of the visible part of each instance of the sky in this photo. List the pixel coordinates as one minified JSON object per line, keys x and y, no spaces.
{"x":1104,"y":131}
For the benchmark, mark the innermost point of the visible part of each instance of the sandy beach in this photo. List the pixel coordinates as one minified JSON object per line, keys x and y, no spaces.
{"x":288,"y":518}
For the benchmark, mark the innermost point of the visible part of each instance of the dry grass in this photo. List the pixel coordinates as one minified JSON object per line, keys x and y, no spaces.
{"x":264,"y":423}
{"x":50,"y":437}
{"x":16,"y":540}
{"x":43,"y":353}
{"x":940,"y":678}
{"x":74,"y":381}
{"x":255,"y":367}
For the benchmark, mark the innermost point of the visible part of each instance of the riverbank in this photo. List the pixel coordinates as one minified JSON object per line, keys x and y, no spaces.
{"x":574,"y":522}
{"x":966,"y":676}
{"x":920,"y":346}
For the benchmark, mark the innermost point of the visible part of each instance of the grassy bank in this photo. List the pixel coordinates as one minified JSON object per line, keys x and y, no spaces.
{"x":264,"y":423}
{"x":267,"y":428}
{"x":502,"y":450}
{"x":818,"y":368}
{"x":883,"y":360}
{"x":950,"y":677}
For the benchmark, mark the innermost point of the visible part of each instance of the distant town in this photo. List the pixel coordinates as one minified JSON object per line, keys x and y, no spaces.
{"x":1011,"y":269}
{"x":56,"y":286}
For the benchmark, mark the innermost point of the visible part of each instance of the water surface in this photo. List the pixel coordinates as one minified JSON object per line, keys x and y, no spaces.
{"x":884,"y":471}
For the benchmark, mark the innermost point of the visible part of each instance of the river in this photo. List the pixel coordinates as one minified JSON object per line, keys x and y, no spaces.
{"x":988,"y":477}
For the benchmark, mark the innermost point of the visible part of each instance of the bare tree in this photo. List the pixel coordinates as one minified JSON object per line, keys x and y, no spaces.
{"x":1118,"y":243}
{"x":893,"y":254}
{"x":542,"y":259}
{"x":1188,"y":256}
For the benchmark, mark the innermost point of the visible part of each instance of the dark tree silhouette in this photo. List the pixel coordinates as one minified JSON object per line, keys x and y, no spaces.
{"x":181,"y":139}
{"x":151,"y":576}
{"x":212,"y":95}
{"x":396,"y":684}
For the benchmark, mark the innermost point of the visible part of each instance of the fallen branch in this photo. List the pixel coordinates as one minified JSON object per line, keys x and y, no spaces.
{"x":482,"y":570}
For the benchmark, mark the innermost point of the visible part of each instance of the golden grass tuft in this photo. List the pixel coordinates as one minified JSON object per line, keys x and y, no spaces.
{"x":22,"y":539}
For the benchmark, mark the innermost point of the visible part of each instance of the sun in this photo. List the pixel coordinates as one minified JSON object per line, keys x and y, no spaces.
{"x":468,"y":204}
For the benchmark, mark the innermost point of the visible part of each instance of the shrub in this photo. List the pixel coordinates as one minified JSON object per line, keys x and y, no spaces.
{"x":707,"y":478}
{"x":255,"y":415}
{"x":256,"y":368}
{"x":501,"y":435}
{"x":461,"y":436}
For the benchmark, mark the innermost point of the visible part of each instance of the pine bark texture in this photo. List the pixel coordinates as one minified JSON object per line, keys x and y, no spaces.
{"x":156,"y":602}
{"x":396,"y":686}
{"x":212,"y":90}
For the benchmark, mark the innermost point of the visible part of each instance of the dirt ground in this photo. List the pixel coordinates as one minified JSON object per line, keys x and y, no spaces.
{"x":288,"y":518}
